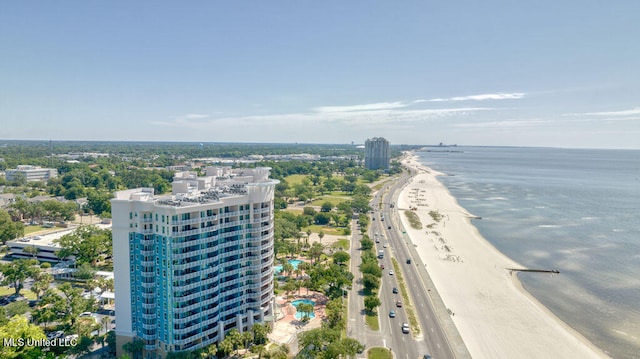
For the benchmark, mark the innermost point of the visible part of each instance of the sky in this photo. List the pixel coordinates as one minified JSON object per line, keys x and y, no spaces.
{"x":493,"y":73}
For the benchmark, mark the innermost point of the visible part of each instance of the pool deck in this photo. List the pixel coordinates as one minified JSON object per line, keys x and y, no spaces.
{"x":286,"y":327}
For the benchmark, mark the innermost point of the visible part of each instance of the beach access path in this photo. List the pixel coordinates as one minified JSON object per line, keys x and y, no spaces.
{"x":494,"y":315}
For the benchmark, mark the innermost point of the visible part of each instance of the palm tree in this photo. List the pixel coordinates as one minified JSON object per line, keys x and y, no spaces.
{"x":33,"y":250}
{"x":321,"y":235}
{"x":308,"y":235}
{"x":298,"y":236}
{"x":105,"y":321}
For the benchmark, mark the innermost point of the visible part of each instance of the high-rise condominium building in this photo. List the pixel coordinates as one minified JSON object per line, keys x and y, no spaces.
{"x":376,"y":154}
{"x":195,"y":264}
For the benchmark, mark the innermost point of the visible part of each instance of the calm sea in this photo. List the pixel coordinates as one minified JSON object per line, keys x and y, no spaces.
{"x":577,"y":211}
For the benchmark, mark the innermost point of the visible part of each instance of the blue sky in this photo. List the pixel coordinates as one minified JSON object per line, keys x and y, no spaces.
{"x":536,"y":73}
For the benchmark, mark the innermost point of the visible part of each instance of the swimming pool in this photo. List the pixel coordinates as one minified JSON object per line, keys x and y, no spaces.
{"x":299,"y":314}
{"x":293,"y":262}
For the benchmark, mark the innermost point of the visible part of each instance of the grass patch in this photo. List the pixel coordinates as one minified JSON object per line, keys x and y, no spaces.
{"x":32,"y":229}
{"x":379,"y":353}
{"x":4,"y":291}
{"x":371,"y":319}
{"x":327,"y":230}
{"x":335,"y":200}
{"x":379,"y":185}
{"x":414,"y":220}
{"x":435,"y":215}
{"x":413,"y":322}
{"x":295,"y":179}
{"x":341,"y":243}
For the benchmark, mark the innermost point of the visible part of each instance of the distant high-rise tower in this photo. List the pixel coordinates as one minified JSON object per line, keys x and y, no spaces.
{"x":376,"y":154}
{"x":194,"y":264}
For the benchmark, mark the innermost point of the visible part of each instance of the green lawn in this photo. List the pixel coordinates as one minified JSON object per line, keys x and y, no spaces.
{"x":295,"y":179}
{"x":379,"y":353}
{"x":5,"y":291}
{"x":327,"y":230}
{"x":341,"y":243}
{"x":372,"y":321}
{"x":335,"y":200}
{"x":31,"y":229}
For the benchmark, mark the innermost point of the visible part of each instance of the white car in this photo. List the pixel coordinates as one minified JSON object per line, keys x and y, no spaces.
{"x":405,"y":328}
{"x":384,"y":245}
{"x":390,"y":272}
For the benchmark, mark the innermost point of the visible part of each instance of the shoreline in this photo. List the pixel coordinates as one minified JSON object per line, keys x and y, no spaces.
{"x":495,"y":316}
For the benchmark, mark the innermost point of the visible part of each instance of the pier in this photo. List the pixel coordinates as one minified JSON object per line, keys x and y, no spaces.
{"x":534,"y":270}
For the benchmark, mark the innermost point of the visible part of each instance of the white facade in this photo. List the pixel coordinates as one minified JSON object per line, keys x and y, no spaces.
{"x":31,"y":173}
{"x":194,"y":264}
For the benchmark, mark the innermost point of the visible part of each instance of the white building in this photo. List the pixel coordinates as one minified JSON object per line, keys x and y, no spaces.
{"x":195,"y":264}
{"x":31,"y":173}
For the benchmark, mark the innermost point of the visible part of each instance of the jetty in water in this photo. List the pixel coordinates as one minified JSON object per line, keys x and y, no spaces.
{"x":534,"y":270}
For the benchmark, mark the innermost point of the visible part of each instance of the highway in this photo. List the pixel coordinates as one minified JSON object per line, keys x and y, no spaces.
{"x":431,"y":339}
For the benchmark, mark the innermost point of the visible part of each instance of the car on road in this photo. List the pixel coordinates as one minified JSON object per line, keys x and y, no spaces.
{"x":426,"y":356}
{"x":384,"y":245}
{"x":392,"y":314}
{"x":389,"y":227}
{"x":399,"y":303}
{"x":390,"y":272}
{"x":394,"y":290}
{"x":382,"y":266}
{"x":408,"y":260}
{"x":405,"y":328}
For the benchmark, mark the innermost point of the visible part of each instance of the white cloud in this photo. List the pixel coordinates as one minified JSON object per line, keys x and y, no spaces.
{"x":314,"y":120}
{"x":193,"y":116}
{"x":481,"y":97}
{"x":503,"y":124}
{"x":365,"y":107}
{"x":634,"y":111}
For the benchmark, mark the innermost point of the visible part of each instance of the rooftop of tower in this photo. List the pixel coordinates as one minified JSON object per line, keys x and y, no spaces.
{"x":189,"y":189}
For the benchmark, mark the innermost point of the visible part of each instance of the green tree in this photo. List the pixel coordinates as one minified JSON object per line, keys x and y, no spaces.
{"x":19,"y":307}
{"x":370,"y":283}
{"x":260,"y":333}
{"x":134,"y":347}
{"x":99,"y":201}
{"x":42,"y":282}
{"x":87,"y":243}
{"x":33,"y":250}
{"x":322,"y":218}
{"x":371,"y":302}
{"x":16,"y":272}
{"x":85,"y":271}
{"x":306,"y":309}
{"x":335,"y":313}
{"x":366,"y":244}
{"x":8,"y":229}
{"x":340,"y":257}
{"x":326,"y":206}
{"x":18,"y":327}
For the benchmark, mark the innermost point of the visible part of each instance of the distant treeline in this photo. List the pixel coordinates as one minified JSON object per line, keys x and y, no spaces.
{"x":16,"y":152}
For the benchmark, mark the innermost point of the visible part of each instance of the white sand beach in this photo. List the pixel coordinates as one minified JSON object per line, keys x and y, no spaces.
{"x":495,"y":316}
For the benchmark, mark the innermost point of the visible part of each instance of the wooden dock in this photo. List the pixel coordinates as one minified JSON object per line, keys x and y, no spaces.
{"x":534,"y":270}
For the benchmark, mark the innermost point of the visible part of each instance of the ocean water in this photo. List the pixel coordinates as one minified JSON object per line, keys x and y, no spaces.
{"x":574,"y":210}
